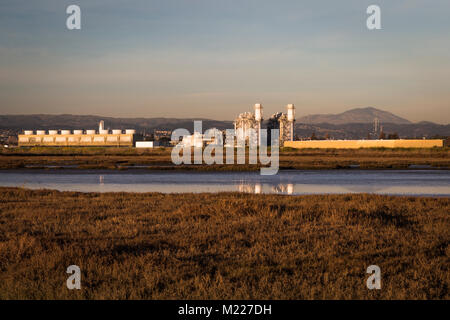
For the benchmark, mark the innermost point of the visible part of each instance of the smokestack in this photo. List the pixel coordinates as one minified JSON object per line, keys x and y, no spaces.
{"x":258,"y":118}
{"x":258,"y":112}
{"x":101,"y":126}
{"x":291,"y":118}
{"x":291,"y":112}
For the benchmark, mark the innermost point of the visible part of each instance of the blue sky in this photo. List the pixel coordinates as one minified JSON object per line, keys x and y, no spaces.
{"x":216,"y":58}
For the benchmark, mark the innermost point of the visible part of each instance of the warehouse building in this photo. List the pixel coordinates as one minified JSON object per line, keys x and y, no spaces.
{"x":79,"y":138}
{"x":356,"y":144}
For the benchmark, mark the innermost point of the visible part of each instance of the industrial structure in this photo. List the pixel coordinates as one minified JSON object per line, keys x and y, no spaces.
{"x":199,"y":140}
{"x":146,"y":144}
{"x":284,"y":122}
{"x":356,"y":144}
{"x":80,"y":138}
{"x":247,"y":128}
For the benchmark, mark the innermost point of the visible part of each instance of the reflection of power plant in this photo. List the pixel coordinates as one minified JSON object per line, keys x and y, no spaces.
{"x":250,"y":188}
{"x":257,"y":188}
{"x":248,"y":123}
{"x":283,"y":188}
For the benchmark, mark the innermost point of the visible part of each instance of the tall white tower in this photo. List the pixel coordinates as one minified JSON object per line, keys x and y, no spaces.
{"x":258,"y":118}
{"x":291,"y":118}
{"x":101,"y":126}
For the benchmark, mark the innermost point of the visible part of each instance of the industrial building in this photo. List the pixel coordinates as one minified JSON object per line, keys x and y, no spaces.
{"x":197,"y":140}
{"x":356,"y":144}
{"x":283,"y":122}
{"x":80,"y":138}
{"x":146,"y":144}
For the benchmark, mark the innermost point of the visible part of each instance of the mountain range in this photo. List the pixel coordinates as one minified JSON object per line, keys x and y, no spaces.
{"x":71,"y":122}
{"x":351,"y":124}
{"x":358,"y":115}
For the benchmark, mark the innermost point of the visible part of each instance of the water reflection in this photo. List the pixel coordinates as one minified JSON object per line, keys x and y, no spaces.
{"x":245,"y":186}
{"x":283,"y":188}
{"x":408,"y":182}
{"x":249,"y":188}
{"x":302,"y":189}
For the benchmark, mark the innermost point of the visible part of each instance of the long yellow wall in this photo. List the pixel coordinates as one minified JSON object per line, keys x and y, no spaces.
{"x":356,"y":144}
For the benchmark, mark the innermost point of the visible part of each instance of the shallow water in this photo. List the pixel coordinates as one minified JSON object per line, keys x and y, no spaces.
{"x":393,"y":182}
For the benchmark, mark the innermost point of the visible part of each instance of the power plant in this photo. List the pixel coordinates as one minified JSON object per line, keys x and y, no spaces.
{"x":247,"y":126}
{"x":284,"y":122}
{"x":102,"y":137}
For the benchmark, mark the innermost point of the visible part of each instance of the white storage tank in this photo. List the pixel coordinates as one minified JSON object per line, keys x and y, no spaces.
{"x":145,"y":144}
{"x":77,"y":131}
{"x":90,"y":131}
{"x":117,"y":131}
{"x":52,"y":131}
{"x":28,"y":132}
{"x":130,"y":131}
{"x":65,"y":131}
{"x":40,"y":132}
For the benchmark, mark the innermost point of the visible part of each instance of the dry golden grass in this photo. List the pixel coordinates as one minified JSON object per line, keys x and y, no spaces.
{"x":160,"y":159}
{"x":230,"y":246}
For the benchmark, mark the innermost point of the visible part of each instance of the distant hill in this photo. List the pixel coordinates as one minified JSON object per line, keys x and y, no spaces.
{"x":70,"y":122}
{"x":361,"y":130}
{"x":358,"y":115}
{"x":340,"y":129}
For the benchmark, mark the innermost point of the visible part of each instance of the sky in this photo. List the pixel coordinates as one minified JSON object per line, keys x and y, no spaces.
{"x":216,"y":58}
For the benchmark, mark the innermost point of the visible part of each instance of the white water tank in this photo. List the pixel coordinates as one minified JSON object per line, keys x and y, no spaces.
{"x":28,"y":132}
{"x":90,"y":131}
{"x":65,"y":131}
{"x":117,"y":131}
{"x":77,"y":131}
{"x":291,"y":112}
{"x":130,"y":131}
{"x":258,"y":112}
{"x":40,"y":132}
{"x":52,"y":131}
{"x":145,"y":144}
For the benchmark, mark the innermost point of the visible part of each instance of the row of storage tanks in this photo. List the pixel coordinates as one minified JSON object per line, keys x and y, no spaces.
{"x":55,"y":132}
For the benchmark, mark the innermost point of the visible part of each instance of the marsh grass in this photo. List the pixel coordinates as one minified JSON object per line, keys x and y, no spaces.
{"x":222,"y":246}
{"x":160,"y":159}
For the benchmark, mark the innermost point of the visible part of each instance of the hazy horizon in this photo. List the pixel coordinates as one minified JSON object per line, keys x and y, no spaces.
{"x":266,"y":116}
{"x":214,"y":59}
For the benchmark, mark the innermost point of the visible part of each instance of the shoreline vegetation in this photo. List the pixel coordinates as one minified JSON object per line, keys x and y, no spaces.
{"x":160,"y":159}
{"x":222,"y":246}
